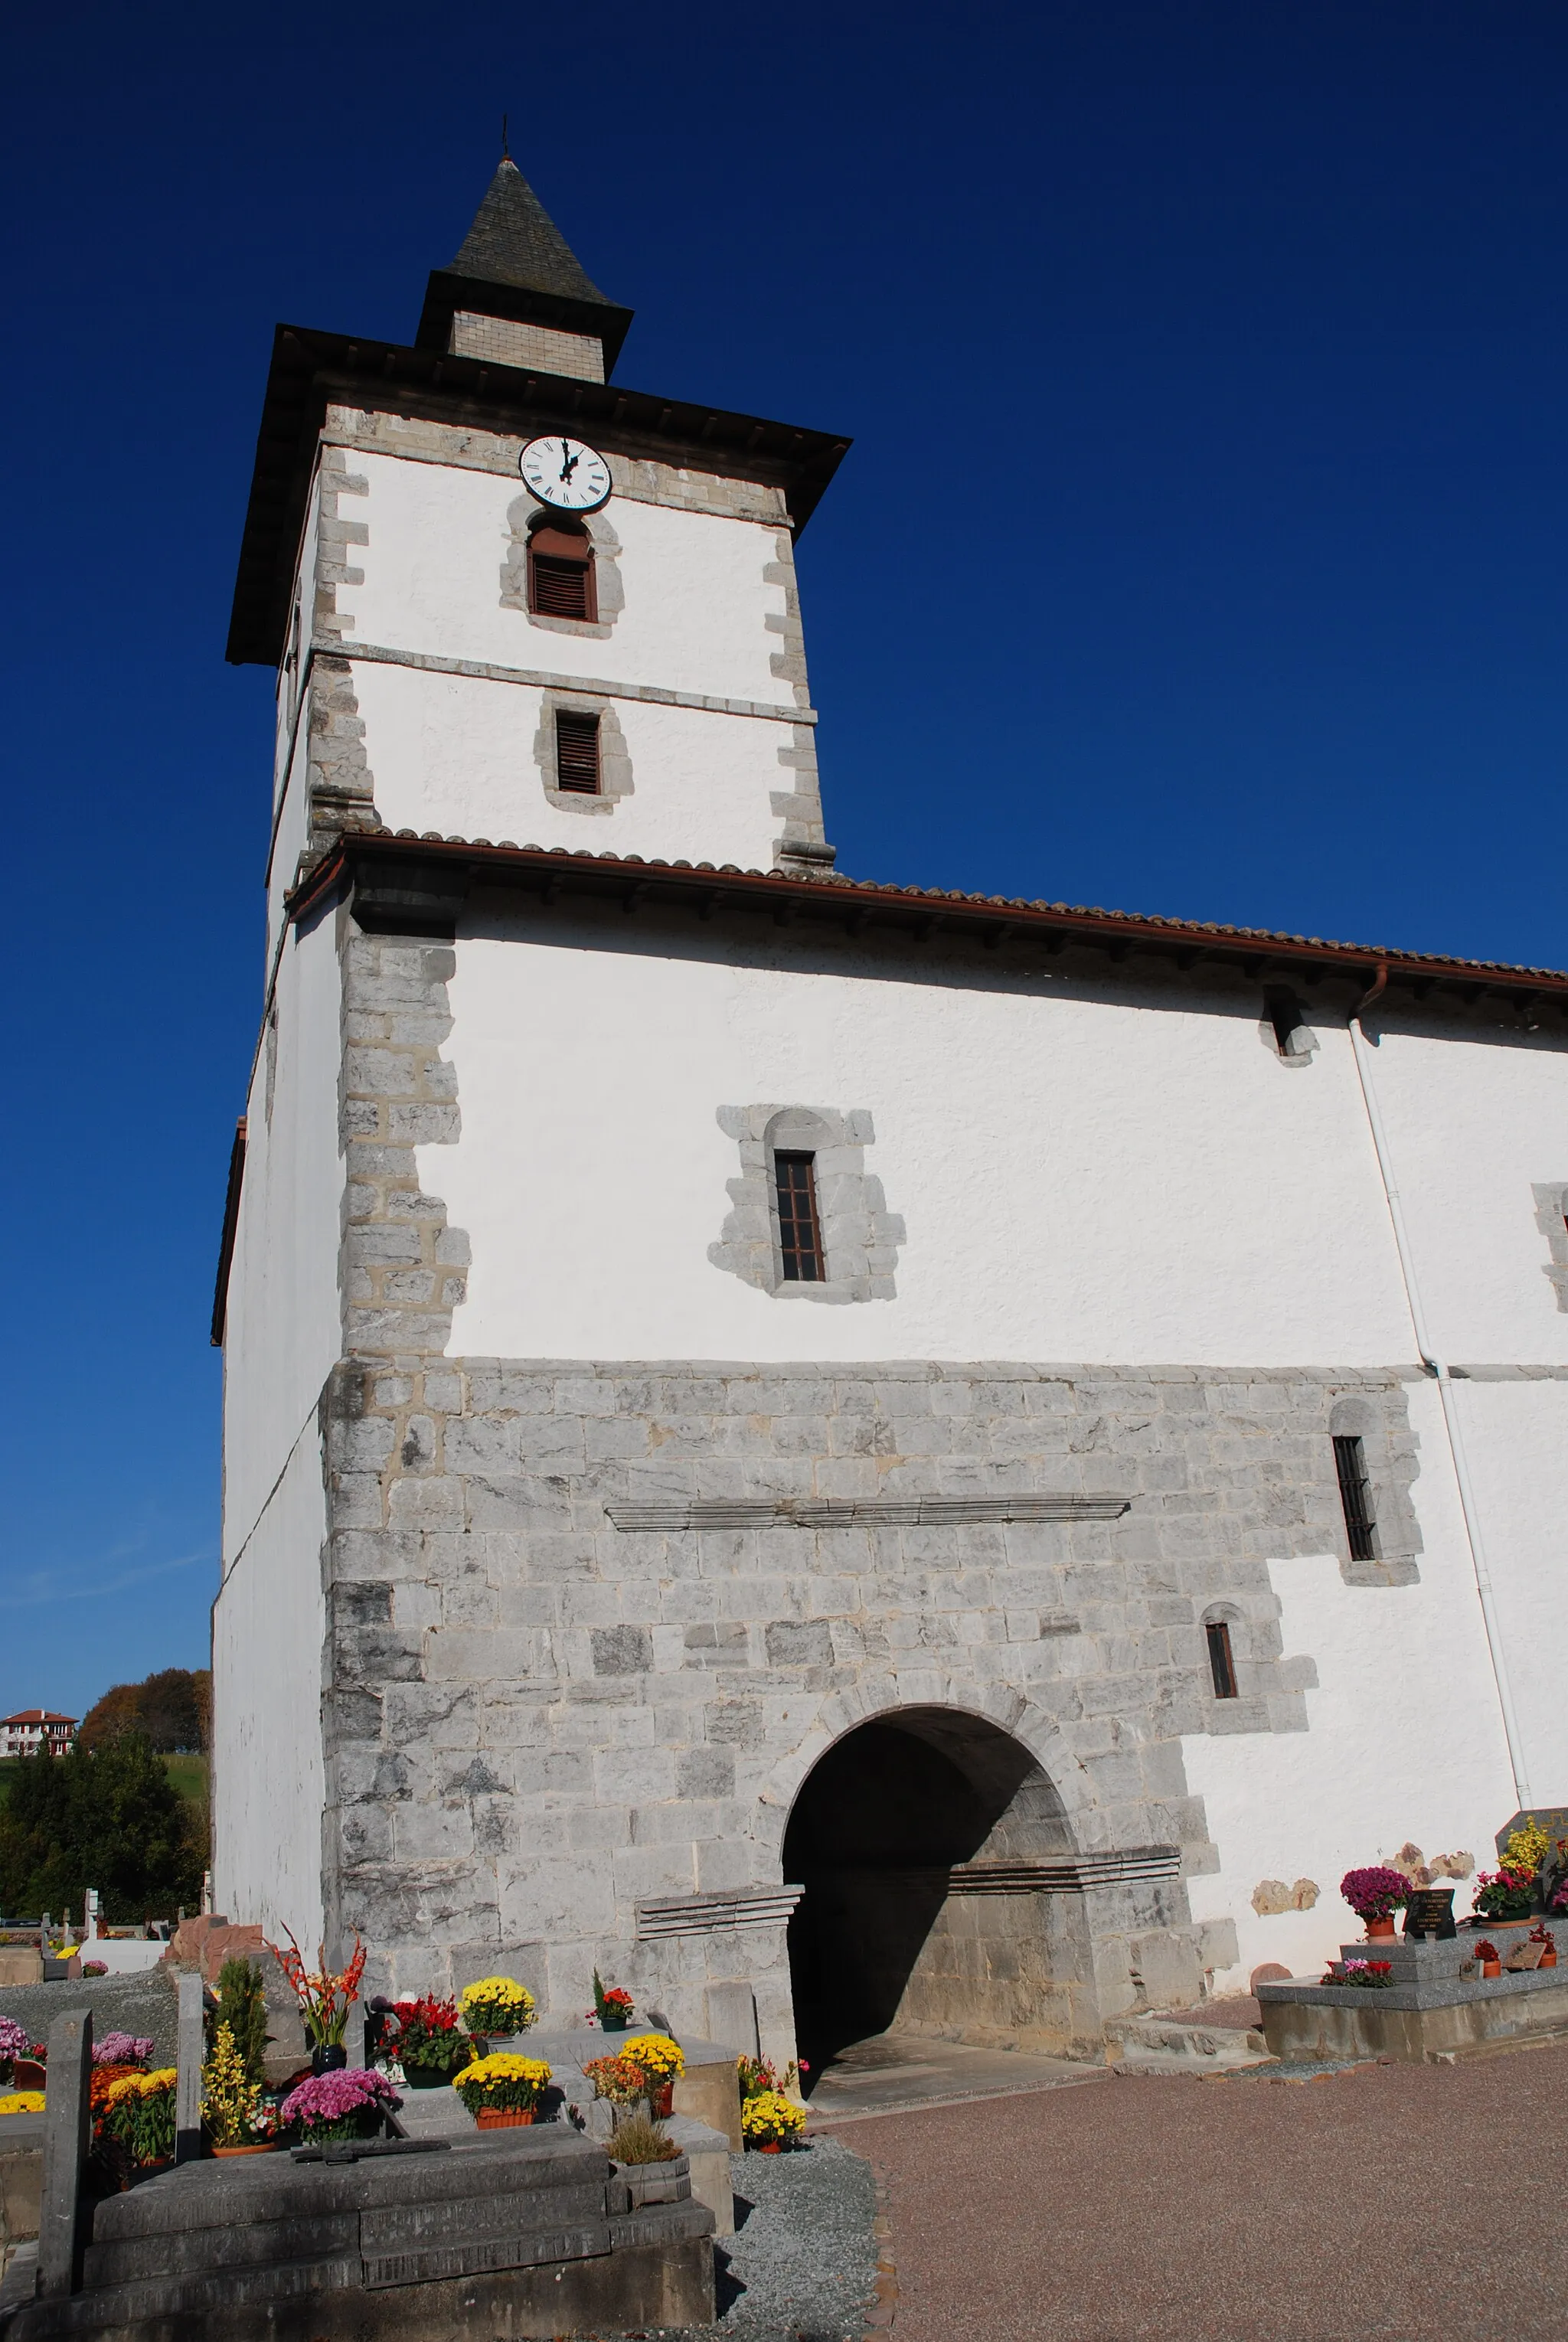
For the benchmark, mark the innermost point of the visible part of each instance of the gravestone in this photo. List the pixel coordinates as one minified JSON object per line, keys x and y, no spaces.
{"x":67,"y":2134}
{"x":191,"y":2050}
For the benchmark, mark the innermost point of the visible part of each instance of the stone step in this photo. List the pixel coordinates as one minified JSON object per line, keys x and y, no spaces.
{"x":1169,"y":2045}
{"x":257,"y":2244}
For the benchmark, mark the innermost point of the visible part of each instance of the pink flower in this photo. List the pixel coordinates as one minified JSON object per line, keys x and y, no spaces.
{"x":122,"y":2050}
{"x":333,"y":2097}
{"x":13,"y":2038}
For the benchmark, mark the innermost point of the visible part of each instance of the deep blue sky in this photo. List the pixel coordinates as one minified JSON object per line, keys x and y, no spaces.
{"x":1264,"y":303}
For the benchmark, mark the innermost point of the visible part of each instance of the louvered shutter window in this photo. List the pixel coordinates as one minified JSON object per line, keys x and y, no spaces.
{"x":561,"y":575}
{"x":577,"y":752}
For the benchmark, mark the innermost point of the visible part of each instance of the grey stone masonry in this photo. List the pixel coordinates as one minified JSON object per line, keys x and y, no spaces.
{"x":536,"y":1721}
{"x":401,"y":1267}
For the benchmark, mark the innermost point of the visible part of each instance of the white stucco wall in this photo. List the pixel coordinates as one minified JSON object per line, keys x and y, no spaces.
{"x":284,"y":1321}
{"x":283,"y":1336}
{"x":269,"y":1628}
{"x":458,"y":755}
{"x":696,"y":600}
{"x":1081,"y":1178}
{"x":1472,"y":1124}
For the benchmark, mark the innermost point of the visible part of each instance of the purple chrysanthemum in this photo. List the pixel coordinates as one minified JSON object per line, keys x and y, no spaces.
{"x":122,"y":2050}
{"x":334,"y":2097}
{"x":13,"y":2038}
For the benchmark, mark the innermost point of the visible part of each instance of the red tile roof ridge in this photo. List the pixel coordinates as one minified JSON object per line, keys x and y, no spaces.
{"x":1133,"y":922}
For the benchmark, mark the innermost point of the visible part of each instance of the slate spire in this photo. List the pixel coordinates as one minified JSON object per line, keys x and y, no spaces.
{"x":514,"y":241}
{"x":514,"y":262}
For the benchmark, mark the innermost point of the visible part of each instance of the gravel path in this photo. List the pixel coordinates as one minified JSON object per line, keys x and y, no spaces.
{"x":1407,"y":2202}
{"x":144,"y":2004}
{"x":802,"y":2266}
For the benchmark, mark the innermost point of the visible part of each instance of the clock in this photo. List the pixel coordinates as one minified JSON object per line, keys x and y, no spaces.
{"x":568,"y":475}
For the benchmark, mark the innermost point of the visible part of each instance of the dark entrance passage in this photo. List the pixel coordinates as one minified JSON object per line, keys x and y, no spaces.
{"x":886,"y":1935}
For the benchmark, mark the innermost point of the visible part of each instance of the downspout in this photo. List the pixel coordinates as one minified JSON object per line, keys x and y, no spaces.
{"x":1436,"y":1366}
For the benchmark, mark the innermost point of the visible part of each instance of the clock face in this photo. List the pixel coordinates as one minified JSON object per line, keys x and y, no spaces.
{"x":565,"y":474}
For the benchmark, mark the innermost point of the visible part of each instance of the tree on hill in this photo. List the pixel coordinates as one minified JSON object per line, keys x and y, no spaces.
{"x":107,"y":1818}
{"x":171,"y":1709}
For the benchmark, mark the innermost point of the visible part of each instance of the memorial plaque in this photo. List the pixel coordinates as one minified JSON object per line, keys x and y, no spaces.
{"x":1430,"y":1912}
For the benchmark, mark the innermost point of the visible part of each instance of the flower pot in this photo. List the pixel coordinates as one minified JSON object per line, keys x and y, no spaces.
{"x":1380,"y":1931}
{"x":257,"y":2146}
{"x":28,"y":2074}
{"x":503,"y":2118}
{"x":662,"y":2100}
{"x":611,"y":2021}
{"x":1490,"y":1968}
{"x":770,"y":2146}
{"x":428,"y":2077}
{"x":329,"y":2058}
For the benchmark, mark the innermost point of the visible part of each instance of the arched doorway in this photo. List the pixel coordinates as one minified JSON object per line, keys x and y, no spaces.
{"x":884,"y":1934}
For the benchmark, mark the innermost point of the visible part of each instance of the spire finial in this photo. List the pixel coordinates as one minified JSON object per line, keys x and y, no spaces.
{"x":506,"y":150}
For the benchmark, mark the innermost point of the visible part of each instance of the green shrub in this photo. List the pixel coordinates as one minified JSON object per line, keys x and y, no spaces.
{"x":241,"y":2007}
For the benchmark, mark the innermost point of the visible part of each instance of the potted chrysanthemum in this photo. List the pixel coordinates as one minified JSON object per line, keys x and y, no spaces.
{"x":661,"y":2060}
{"x":431,"y":2045}
{"x":346,"y":2102}
{"x":770,"y":2122}
{"x":503,"y":2090}
{"x":496,"y":2008}
{"x":1374,"y":1894}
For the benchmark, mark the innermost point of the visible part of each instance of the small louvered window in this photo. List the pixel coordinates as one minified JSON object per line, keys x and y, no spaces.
{"x":799,"y":1229}
{"x":577,"y":752}
{"x":1356,"y":1495}
{"x":561,"y":575}
{"x":1221,"y":1660}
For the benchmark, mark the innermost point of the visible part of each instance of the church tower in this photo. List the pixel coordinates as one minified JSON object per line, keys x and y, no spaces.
{"x":813,"y":1447}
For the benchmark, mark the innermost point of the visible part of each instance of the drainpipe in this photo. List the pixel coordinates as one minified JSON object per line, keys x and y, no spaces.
{"x":1434,"y":1366}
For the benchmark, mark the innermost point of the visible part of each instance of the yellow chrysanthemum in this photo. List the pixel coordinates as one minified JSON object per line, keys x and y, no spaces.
{"x":505,"y":2066}
{"x":498,"y":2005}
{"x":659,"y":2056}
{"x":23,"y":2102}
{"x":771,"y":2116}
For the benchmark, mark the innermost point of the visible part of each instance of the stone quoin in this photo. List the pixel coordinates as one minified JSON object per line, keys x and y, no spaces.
{"x":1164,"y":1504}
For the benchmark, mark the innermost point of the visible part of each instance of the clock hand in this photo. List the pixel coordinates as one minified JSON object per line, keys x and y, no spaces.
{"x":570,"y":464}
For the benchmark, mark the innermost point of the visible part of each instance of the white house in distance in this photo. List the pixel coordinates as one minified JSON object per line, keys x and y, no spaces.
{"x":910,"y":1455}
{"x":35,"y":1728}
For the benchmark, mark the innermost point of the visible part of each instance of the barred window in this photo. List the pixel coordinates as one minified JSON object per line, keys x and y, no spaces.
{"x":577,"y":751}
{"x":800,"y":1226}
{"x":1355,"y":1496}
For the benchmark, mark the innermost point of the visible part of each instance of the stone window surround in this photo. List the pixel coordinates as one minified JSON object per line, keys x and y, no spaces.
{"x":1389,"y":1453}
{"x":524,"y":516}
{"x":614,"y":763}
{"x":860,"y":1236}
{"x":1552,"y":1219}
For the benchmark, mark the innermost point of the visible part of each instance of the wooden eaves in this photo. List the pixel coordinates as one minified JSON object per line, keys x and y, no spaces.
{"x":400,"y":879}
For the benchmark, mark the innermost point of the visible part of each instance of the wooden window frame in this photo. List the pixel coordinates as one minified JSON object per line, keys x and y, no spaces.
{"x":802,"y":1253}
{"x":1222,"y":1658}
{"x":584,"y":723}
{"x":556,"y":556}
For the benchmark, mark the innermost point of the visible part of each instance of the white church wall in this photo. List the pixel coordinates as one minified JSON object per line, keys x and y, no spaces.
{"x":1473,"y":1126}
{"x":463,"y":756}
{"x":284,"y":1328}
{"x":1516,"y":1441}
{"x":1080,"y":1177}
{"x":696,"y":600}
{"x":269,"y":1627}
{"x":290,"y":833}
{"x":1404,"y":1740}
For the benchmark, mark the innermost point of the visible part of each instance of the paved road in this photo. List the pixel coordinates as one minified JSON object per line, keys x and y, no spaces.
{"x":1398,"y":2202}
{"x":893,"y":2072}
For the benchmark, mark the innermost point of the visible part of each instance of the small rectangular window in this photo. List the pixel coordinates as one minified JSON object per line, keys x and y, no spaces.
{"x":577,"y":752}
{"x":1221,"y":1663}
{"x":1356,"y":1495}
{"x":800,"y":1231}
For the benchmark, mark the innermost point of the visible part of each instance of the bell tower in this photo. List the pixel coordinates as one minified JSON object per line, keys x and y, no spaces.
{"x":510,"y":599}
